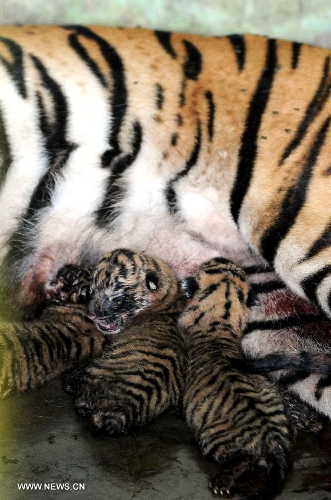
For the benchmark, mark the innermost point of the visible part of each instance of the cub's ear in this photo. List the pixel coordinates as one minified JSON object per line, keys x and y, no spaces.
{"x":189,"y":286}
{"x":252,"y":299}
{"x":152,"y":281}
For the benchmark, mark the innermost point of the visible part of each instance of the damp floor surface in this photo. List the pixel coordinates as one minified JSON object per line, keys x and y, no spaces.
{"x":45,"y":444}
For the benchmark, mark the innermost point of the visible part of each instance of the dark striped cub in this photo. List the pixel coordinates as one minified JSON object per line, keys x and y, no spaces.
{"x":239,"y":419}
{"x":140,"y":373}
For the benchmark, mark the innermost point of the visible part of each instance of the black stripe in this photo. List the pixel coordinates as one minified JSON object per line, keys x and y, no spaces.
{"x":170,"y":191}
{"x":5,"y":153}
{"x":228,"y":303}
{"x":258,"y":269}
{"x":211,"y":114}
{"x":47,"y":339}
{"x":216,"y":270}
{"x":84,"y":55}
{"x":294,"y":199}
{"x":321,"y":385}
{"x":16,"y":67}
{"x":58,"y":150}
{"x":239,"y":47}
{"x":312,"y":282}
{"x":313,"y":109}
{"x":296,"y":51}
{"x":249,"y":140}
{"x":284,"y":323}
{"x":164,"y":39}
{"x":57,"y":147}
{"x":209,"y":290}
{"x":268,"y":286}
{"x":118,"y":101}
{"x":192,"y":62}
{"x":115,"y":191}
{"x":291,"y":377}
{"x":174,"y":139}
{"x":159,"y":99}
{"x":324,"y":241}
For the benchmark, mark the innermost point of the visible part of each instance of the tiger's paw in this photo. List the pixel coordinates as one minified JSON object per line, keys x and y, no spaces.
{"x":71,"y":285}
{"x":94,"y":398}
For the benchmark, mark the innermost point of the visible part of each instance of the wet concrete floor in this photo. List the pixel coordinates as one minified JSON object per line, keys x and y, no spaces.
{"x":45,"y":444}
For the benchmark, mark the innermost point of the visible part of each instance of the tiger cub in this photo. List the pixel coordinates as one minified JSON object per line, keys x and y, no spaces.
{"x":237,"y":418}
{"x":140,"y":372}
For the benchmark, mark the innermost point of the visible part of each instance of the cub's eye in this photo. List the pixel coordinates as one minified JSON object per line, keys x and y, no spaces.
{"x":190,"y":286}
{"x":117,"y":302}
{"x":152,"y":281}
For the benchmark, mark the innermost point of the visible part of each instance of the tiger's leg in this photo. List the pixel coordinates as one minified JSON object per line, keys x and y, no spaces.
{"x":138,"y":376}
{"x":32,"y":352}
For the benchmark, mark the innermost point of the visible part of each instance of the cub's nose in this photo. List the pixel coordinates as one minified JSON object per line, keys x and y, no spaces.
{"x":103,"y":306}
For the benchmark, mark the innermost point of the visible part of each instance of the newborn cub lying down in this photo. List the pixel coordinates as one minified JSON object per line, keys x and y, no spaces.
{"x":140,"y":372}
{"x":241,"y":419}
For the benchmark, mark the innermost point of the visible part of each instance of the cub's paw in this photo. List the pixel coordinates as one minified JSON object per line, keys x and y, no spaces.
{"x":244,"y":476}
{"x":95,"y":398}
{"x":71,"y":286}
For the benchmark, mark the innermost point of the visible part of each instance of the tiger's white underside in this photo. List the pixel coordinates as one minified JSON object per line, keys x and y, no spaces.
{"x":66,"y":228}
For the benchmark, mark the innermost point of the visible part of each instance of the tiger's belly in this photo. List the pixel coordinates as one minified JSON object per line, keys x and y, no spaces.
{"x":67,"y":236}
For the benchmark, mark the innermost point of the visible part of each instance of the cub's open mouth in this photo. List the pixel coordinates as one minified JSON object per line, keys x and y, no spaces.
{"x":106,"y":327}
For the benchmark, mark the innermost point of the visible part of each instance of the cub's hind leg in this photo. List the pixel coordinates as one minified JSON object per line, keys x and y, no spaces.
{"x":138,"y":376}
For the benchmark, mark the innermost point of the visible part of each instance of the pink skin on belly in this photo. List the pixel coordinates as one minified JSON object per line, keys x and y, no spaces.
{"x":39,"y":272}
{"x":31,"y":292}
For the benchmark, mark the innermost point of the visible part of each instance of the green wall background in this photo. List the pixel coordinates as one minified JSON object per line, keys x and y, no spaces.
{"x":302,"y":20}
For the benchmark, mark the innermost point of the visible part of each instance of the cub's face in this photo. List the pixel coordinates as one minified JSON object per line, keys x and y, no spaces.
{"x":126,"y":284}
{"x":218,"y":292}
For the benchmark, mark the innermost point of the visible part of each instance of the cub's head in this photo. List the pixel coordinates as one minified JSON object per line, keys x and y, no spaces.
{"x":125,"y":284}
{"x":218,"y":294}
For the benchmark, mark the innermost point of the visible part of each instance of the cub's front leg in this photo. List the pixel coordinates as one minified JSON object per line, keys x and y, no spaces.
{"x":70,"y":286}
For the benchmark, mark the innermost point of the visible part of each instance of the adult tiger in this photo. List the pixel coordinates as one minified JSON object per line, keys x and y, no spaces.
{"x":185,"y":146}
